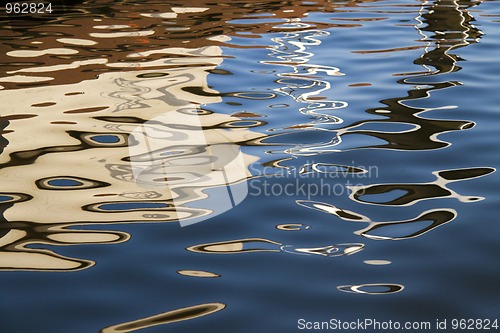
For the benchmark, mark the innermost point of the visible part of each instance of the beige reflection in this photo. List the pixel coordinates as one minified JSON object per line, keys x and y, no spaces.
{"x":53,"y":139}
{"x":173,"y":316}
{"x":292,"y":227}
{"x":125,"y":99}
{"x":409,"y":194}
{"x":197,"y":273}
{"x":31,"y":54}
{"x":238,"y":246}
{"x":377,"y":262}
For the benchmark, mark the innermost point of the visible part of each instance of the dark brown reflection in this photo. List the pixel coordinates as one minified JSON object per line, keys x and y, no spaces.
{"x":408,"y":194}
{"x":100,"y":36}
{"x":450,"y":24}
{"x":399,"y":230}
{"x":446,"y":25}
{"x":189,"y":313}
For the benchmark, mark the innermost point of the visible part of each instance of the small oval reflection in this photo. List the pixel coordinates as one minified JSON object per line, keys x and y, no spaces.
{"x":195,"y":273}
{"x":372,"y":288}
{"x":292,"y":227}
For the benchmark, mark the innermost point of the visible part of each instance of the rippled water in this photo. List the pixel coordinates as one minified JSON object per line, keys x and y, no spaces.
{"x":363,"y":131}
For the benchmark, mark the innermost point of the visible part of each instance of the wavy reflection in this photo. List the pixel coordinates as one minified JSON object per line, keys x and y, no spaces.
{"x":407,"y":229}
{"x":17,"y":240}
{"x":401,"y":124}
{"x":387,"y":230}
{"x":306,"y":83}
{"x":82,"y":171}
{"x":409,"y":194}
{"x":89,"y":39}
{"x":183,"y":314}
{"x":451,"y":25}
{"x":246,"y":245}
{"x":292,"y":227}
{"x":197,"y":273}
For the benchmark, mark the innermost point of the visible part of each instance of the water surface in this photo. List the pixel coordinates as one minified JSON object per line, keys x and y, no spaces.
{"x":367,"y":138}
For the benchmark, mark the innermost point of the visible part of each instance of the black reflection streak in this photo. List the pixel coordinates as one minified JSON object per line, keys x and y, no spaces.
{"x":173,"y":316}
{"x":417,"y":192}
{"x":434,"y":219}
